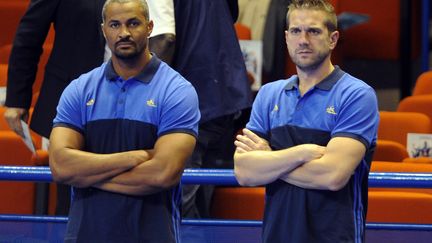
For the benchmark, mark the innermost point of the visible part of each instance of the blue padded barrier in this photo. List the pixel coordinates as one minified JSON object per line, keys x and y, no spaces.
{"x":223,"y":177}
{"x":26,"y":228}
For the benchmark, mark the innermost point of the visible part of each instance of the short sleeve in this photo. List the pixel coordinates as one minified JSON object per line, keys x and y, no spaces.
{"x":180,"y":112}
{"x":259,"y":119}
{"x":69,"y":109}
{"x":359,"y":117}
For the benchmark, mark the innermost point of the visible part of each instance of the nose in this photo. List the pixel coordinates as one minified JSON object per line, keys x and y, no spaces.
{"x":303,"y":38}
{"x":124,"y":32}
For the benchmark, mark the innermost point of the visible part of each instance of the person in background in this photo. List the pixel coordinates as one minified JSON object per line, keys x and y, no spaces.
{"x":121,"y":136}
{"x":162,"y":39}
{"x":209,"y":56}
{"x":310,"y":139}
{"x":274,"y":54}
{"x":78,"y":47}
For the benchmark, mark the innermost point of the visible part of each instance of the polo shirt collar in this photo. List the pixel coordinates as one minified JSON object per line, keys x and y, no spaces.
{"x":145,"y":76}
{"x":326,"y":84}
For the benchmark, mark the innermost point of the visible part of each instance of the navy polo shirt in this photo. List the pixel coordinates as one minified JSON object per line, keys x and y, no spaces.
{"x":116,"y":115}
{"x":339,"y":106}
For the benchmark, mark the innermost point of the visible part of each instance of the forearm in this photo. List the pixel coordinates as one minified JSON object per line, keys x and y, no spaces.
{"x":83,"y":169}
{"x":333,"y":170}
{"x":162,"y":171}
{"x":263,"y":167}
{"x":146,"y":178}
{"x":312,"y":175}
{"x":133,"y":190}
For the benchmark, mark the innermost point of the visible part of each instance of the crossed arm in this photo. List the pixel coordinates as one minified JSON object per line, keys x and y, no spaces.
{"x":308,"y":166}
{"x":136,"y":172}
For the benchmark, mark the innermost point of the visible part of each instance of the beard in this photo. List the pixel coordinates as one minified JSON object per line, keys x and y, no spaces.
{"x":129,"y":54}
{"x":310,"y":65}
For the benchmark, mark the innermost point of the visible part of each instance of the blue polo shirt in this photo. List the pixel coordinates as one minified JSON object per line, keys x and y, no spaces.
{"x":116,"y":115}
{"x":339,"y":106}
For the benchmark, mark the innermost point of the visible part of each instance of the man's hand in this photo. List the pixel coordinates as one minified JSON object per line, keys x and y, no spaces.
{"x":249,"y":141}
{"x":13,"y":117}
{"x":311,"y":151}
{"x":256,"y":164}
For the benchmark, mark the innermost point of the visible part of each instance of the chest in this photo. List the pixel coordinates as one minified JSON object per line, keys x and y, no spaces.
{"x":318,"y":110}
{"x":129,"y":100}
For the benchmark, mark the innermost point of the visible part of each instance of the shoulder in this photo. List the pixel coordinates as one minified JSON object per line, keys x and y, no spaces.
{"x":355,"y":95}
{"x":96,"y":73}
{"x":350,"y":82}
{"x":171,"y":77}
{"x":351,"y":88}
{"x":86,"y":81}
{"x":278,"y":85}
{"x":274,"y":88}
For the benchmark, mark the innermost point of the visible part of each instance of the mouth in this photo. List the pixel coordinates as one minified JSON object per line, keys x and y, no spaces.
{"x":124,"y":44}
{"x":302,"y":52}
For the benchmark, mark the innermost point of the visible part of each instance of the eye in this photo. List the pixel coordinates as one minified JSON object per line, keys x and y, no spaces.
{"x":114,"y":25}
{"x":314,"y":31}
{"x":294,"y":31}
{"x":134,"y":23}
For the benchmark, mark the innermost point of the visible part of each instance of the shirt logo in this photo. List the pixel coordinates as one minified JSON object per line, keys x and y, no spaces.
{"x":90,"y":102}
{"x":275,"y":108}
{"x":151,"y":103}
{"x":331,"y":110}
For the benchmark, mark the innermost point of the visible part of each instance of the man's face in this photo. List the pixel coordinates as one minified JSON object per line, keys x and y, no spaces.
{"x":308,"y":39}
{"x":126,"y":30}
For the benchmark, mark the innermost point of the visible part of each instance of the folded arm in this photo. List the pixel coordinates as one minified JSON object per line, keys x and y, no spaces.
{"x":333,"y":170}
{"x":255,"y":163}
{"x":162,"y":171}
{"x":78,"y":168}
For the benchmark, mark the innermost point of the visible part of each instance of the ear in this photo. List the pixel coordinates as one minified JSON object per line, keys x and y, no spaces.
{"x":103,"y":31}
{"x":150,"y":27}
{"x":334,"y":37}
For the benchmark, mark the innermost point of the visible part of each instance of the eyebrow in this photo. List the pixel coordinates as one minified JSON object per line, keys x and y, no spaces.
{"x":307,"y":28}
{"x":128,"y":20}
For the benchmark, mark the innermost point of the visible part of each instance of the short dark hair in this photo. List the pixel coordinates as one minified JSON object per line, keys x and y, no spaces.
{"x":143,"y":4}
{"x":321,"y":5}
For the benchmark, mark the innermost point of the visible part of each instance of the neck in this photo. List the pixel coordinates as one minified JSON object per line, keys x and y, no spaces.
{"x":310,"y":78}
{"x":128,"y":68}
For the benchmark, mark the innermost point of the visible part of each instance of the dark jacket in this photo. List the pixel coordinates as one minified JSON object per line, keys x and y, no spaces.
{"x":78,"y":48}
{"x":208,"y":55}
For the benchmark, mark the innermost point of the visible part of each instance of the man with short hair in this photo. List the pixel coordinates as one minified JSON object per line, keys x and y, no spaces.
{"x":310,"y":139}
{"x":121,"y":136}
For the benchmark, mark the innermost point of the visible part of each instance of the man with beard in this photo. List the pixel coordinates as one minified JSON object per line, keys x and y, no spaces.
{"x":121,"y":136}
{"x":310,"y":138}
